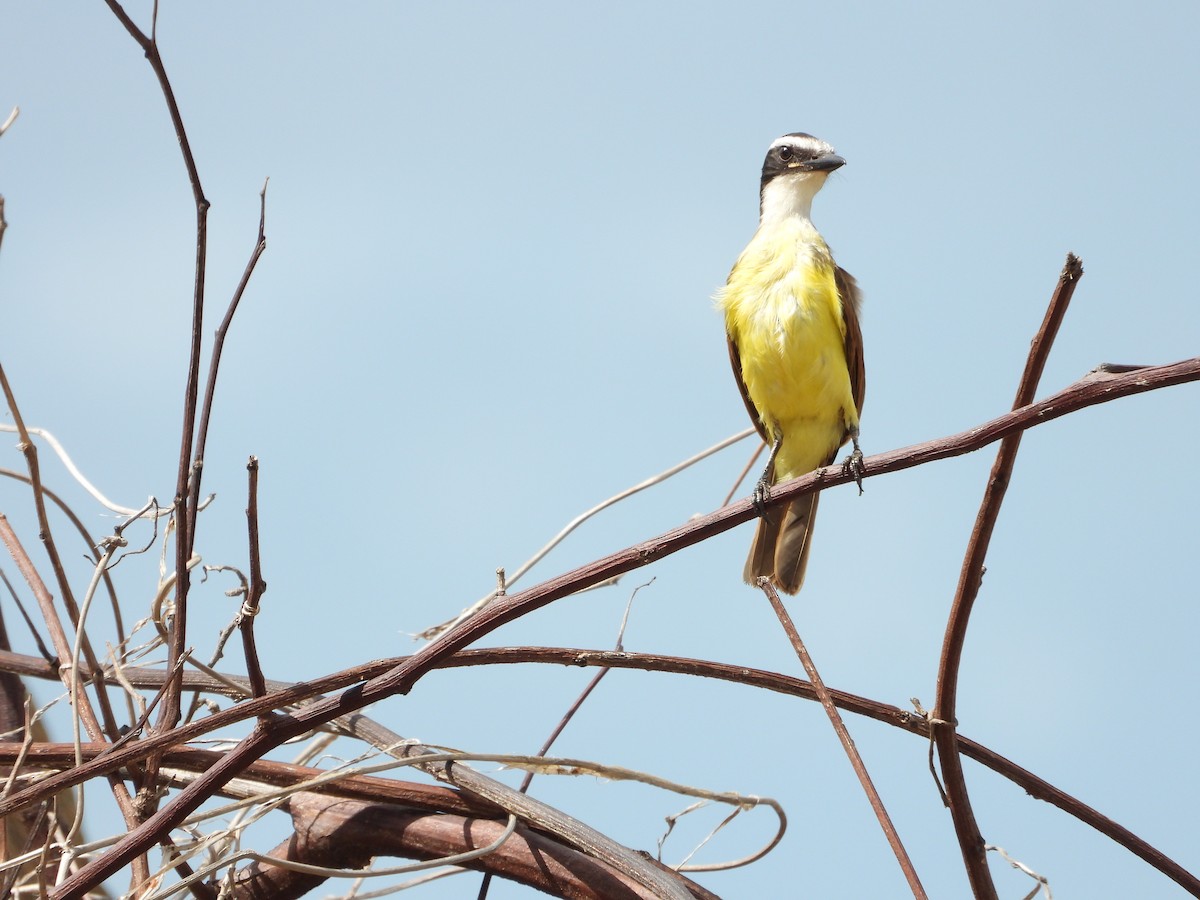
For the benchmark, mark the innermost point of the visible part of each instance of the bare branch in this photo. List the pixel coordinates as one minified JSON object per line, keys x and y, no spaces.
{"x":575,"y":706}
{"x":945,"y":708}
{"x":89,"y":542}
{"x":255,"y":589}
{"x":839,"y":727}
{"x":190,"y":468}
{"x":169,"y":713}
{"x":81,"y":702}
{"x":526,"y":858}
{"x":214,"y":364}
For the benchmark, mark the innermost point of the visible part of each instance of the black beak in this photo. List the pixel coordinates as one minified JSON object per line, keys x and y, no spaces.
{"x":821,"y":164}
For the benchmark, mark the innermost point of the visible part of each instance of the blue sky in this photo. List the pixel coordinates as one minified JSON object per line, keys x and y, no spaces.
{"x":485,"y":306}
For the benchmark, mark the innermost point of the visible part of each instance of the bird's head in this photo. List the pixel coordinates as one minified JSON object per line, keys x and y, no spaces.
{"x":796,"y":166}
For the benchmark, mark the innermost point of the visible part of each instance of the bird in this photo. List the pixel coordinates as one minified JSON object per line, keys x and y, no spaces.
{"x":792,"y":324}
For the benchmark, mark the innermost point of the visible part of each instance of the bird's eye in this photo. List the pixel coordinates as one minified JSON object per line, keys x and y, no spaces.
{"x":786,"y":153}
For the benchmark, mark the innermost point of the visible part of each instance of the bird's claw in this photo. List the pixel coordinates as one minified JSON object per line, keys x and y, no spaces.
{"x":762,"y":493}
{"x":853,"y":465}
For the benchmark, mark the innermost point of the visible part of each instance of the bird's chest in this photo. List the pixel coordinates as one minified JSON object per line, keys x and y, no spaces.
{"x":784,"y":314}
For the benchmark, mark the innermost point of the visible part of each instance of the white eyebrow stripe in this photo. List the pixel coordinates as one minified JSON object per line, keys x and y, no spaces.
{"x":805,"y":143}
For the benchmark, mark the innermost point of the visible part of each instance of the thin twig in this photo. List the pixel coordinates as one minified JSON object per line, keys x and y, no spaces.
{"x":97,"y":725}
{"x":214,"y":363}
{"x":243,"y":591}
{"x":201,"y":890}
{"x":106,"y":718}
{"x":839,"y":727}
{"x":19,"y":832}
{"x":29,"y":450}
{"x":81,"y":702}
{"x":1043,"y":883}
{"x":12,"y":117}
{"x":508,"y":581}
{"x":111,"y":545}
{"x":256,"y":587}
{"x":73,"y":470}
{"x":586,"y":692}
{"x":176,"y":646}
{"x":33,"y":631}
{"x":190,"y":468}
{"x":570,"y":714}
{"x":745,"y":471}
{"x":970,"y":578}
{"x":93,"y":549}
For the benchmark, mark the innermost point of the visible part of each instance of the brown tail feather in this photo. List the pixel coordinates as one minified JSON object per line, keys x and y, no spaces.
{"x":780,"y":547}
{"x":761,"y":560}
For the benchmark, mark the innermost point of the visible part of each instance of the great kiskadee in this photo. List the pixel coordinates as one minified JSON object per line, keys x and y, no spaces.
{"x":791,"y":316}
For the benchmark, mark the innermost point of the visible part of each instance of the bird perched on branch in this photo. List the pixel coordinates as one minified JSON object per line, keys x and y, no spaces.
{"x":791,"y":316}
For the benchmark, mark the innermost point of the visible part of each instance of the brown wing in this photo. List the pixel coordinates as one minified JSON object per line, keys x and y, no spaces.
{"x":851,"y":305}
{"x":736,"y":359}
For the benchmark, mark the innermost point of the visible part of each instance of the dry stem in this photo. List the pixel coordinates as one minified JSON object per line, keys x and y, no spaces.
{"x":945,"y":709}
{"x":839,"y":727}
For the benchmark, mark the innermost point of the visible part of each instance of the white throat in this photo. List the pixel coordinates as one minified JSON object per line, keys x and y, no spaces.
{"x":790,"y":196}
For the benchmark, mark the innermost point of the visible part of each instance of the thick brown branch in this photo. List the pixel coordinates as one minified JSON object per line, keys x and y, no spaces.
{"x":567,"y":829}
{"x":347,"y":833}
{"x":343,"y":823}
{"x":271,"y":773}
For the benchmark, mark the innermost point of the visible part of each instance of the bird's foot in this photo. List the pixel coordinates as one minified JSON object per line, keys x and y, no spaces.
{"x":853,"y":465}
{"x":762,"y":490}
{"x":762,"y":493}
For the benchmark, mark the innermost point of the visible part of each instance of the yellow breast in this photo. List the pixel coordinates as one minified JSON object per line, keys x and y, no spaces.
{"x":783,"y":312}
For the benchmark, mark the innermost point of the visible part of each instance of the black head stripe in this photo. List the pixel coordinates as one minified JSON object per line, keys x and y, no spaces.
{"x":802,"y":146}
